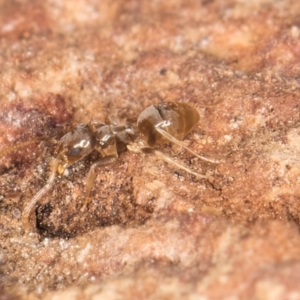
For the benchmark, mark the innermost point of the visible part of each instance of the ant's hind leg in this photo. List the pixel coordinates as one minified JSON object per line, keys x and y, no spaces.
{"x":172,"y":139}
{"x":135,"y":147}
{"x":104,"y":161}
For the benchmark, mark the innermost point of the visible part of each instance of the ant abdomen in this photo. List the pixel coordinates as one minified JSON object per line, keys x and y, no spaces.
{"x":176,"y":119}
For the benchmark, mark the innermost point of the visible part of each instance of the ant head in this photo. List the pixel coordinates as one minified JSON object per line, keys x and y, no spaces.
{"x":74,"y":146}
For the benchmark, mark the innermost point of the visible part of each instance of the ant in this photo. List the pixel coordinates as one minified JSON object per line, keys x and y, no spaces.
{"x":160,"y":123}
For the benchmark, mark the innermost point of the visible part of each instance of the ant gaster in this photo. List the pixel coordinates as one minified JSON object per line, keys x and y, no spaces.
{"x":161,"y":123}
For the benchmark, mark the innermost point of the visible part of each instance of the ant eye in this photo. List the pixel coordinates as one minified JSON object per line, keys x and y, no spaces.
{"x":75,"y":151}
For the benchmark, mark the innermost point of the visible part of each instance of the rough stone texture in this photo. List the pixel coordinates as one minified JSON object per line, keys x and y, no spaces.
{"x":151,"y":231}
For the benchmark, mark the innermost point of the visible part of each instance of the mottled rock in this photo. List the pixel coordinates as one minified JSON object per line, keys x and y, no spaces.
{"x":152,"y":231}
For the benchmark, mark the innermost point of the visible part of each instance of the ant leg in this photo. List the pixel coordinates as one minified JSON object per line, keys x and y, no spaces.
{"x":211,"y":105}
{"x":181,"y":144}
{"x":104,"y":161}
{"x":30,"y":206}
{"x":111,"y":120}
{"x":135,"y":147}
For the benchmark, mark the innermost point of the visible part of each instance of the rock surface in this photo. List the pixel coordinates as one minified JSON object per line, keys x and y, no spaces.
{"x":152,"y":231}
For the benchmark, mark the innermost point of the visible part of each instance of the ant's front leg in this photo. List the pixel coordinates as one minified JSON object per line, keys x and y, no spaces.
{"x":104,"y":161}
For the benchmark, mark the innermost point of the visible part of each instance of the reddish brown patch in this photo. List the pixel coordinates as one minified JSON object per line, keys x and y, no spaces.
{"x":21,"y":23}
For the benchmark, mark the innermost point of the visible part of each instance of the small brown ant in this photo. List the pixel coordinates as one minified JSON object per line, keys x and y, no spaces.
{"x":160,"y":123}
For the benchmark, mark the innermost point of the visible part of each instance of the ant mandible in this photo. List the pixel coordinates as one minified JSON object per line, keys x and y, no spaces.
{"x":160,"y":123}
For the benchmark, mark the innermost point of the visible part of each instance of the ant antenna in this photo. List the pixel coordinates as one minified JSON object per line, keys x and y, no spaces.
{"x":29,"y":206}
{"x":17,"y":146}
{"x":6,"y":151}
